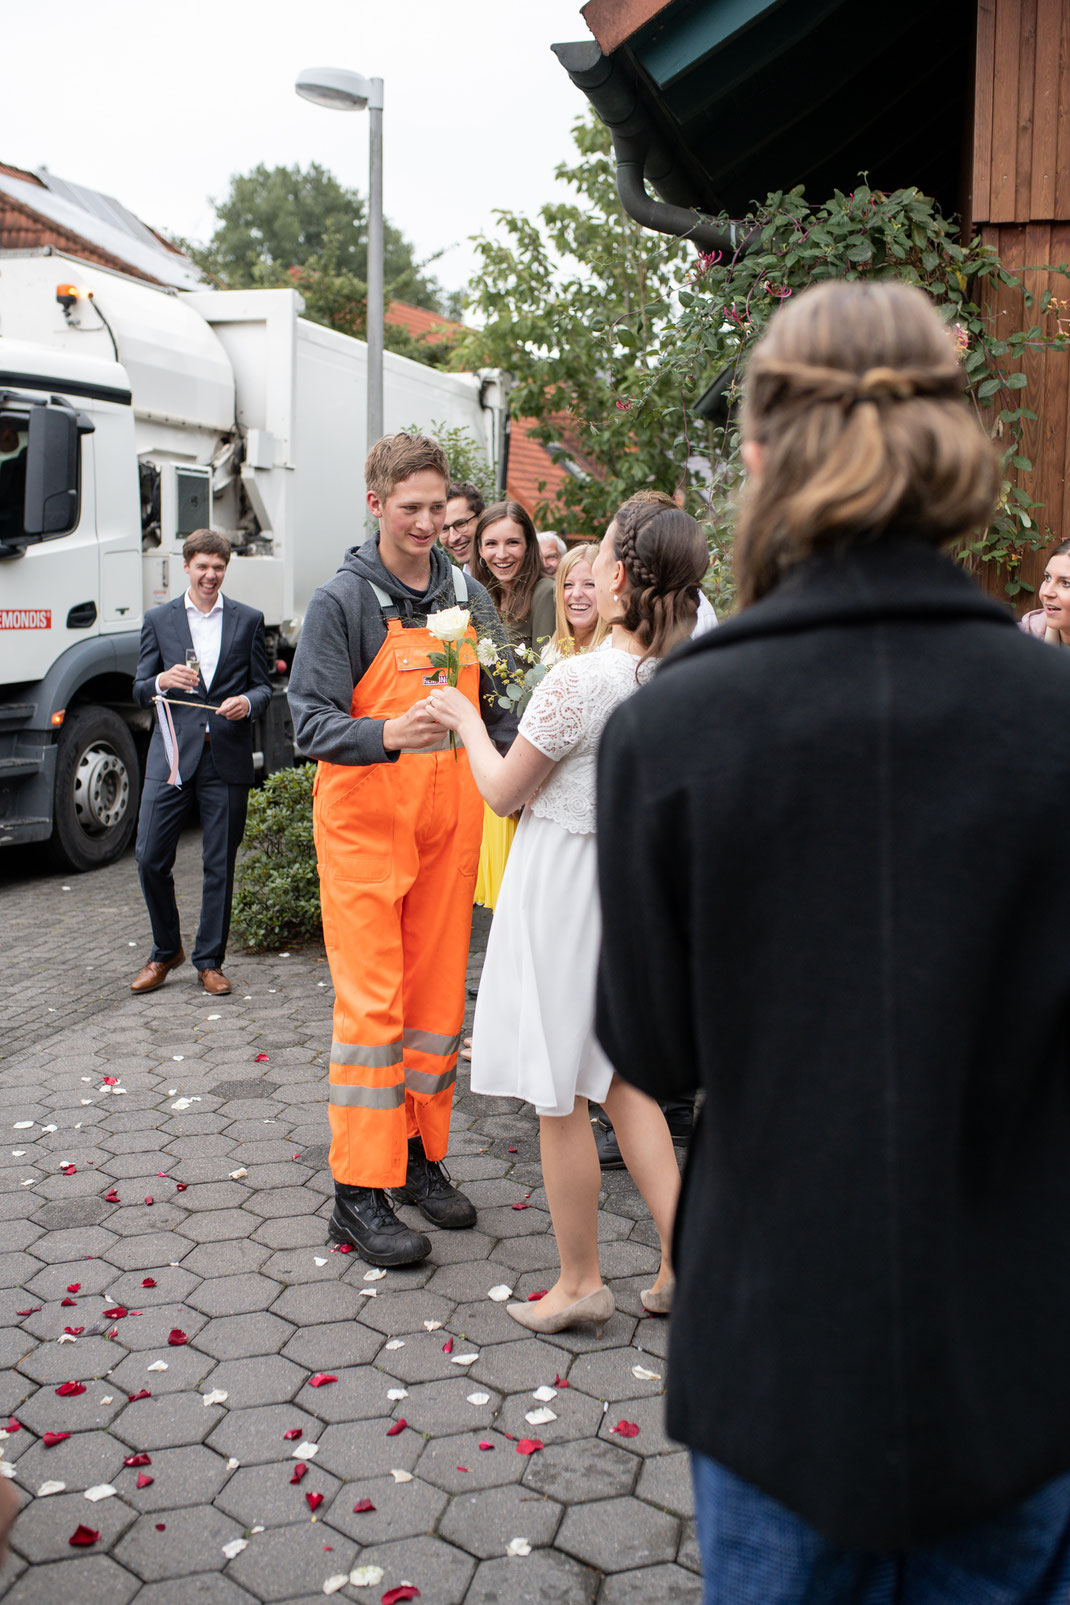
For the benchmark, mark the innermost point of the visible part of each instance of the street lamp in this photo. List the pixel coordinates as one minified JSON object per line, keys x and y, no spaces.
{"x":340,"y":90}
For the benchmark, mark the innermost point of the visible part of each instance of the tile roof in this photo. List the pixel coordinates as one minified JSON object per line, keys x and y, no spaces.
{"x":21,"y":229}
{"x":420,"y":322}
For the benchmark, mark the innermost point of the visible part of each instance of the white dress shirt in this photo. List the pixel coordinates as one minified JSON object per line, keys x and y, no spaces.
{"x":206,"y":633}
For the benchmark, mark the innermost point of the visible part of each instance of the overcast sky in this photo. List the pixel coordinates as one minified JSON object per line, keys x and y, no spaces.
{"x":159,"y":106}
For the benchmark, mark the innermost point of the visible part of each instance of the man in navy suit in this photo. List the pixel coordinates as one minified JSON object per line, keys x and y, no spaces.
{"x":214,"y":749}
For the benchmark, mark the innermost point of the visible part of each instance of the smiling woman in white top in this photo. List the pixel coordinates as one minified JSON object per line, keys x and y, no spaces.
{"x":534,"y":1025}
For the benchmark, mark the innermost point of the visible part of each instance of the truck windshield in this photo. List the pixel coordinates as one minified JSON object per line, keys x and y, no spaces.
{"x":14,"y":437}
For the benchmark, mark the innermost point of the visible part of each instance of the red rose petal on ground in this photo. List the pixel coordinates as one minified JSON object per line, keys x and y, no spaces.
{"x":394,"y":1596}
{"x":150,"y":1200}
{"x":176,"y":1337}
{"x":180,"y":1186}
{"x":297,"y":1156}
{"x":111,"y":1081}
{"x":447,"y":1347}
{"x":50,"y":1439}
{"x":486,"y":1445}
{"x":74,"y":1287}
{"x":261,"y":1058}
{"x":67,"y":1390}
{"x":559,"y":1382}
{"x":74,"y":1331}
{"x":294,"y":1432}
{"x":115,"y":1313}
{"x":342,"y":1248}
{"x":314,"y":1501}
{"x":532,"y":1297}
{"x":509,"y":1435}
{"x":137,"y":1460}
{"x":512,"y":1150}
{"x":626,"y":1429}
{"x":361,"y":1506}
{"x":34,"y":1309}
{"x":13,"y":1425}
{"x":299,"y":1471}
{"x":161,"y":1526}
{"x":150,"y":1281}
{"x":144,"y":1481}
{"x":321,"y":1379}
{"x":399,"y":1426}
{"x":462,"y":1468}
{"x":528,"y":1446}
{"x":521,"y":1206}
{"x":83,"y":1536}
{"x":132,"y":1398}
{"x":111,"y":1197}
{"x":114,"y":1333}
{"x":69,"y":1170}
{"x":68,"y":1303}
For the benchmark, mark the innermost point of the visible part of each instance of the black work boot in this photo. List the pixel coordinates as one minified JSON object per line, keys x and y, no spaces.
{"x":427,"y":1185}
{"x":364,"y":1217}
{"x":679,"y":1114}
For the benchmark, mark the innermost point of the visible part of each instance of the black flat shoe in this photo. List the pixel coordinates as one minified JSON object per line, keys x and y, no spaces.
{"x":364,"y":1218}
{"x":427,"y":1185}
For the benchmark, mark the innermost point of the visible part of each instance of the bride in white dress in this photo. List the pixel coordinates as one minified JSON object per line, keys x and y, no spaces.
{"x":533,"y":1036}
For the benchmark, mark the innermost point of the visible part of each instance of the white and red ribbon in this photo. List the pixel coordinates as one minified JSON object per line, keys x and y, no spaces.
{"x":170,"y":740}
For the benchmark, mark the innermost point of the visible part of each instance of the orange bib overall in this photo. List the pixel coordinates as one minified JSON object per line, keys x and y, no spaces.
{"x":398,"y":847}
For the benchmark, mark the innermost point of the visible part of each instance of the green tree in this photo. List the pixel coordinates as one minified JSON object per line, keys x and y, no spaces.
{"x":576,"y":303}
{"x":301,"y":228}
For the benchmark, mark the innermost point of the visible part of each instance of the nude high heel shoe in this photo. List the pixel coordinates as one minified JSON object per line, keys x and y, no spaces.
{"x":658,"y":1301}
{"x":594,"y":1310}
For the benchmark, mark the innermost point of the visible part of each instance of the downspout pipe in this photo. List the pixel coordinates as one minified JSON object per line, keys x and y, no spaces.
{"x":639,"y":152}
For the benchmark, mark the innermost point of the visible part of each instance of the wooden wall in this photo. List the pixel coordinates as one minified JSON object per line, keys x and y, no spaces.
{"x":1020,"y":204}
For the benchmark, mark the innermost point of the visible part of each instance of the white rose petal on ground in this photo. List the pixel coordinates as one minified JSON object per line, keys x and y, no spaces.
{"x":305,"y":1451}
{"x":236,"y":1175}
{"x":366,"y":1576}
{"x":432,"y":1326}
{"x":47,"y":1488}
{"x":396,"y":1343}
{"x":540,"y":1417}
{"x":479,"y":1398}
{"x":367,"y":1292}
{"x":500,"y":1293}
{"x":103,"y":1490}
{"x":398,"y":1476}
{"x":217,"y":1396}
{"x":232,"y":1464}
{"x":22,"y":1125}
{"x":157,"y":1365}
{"x":333,"y":1584}
{"x":6,"y":1468}
{"x":518,"y":1546}
{"x":397,"y":1393}
{"x":544,"y":1394}
{"x":66,"y":1337}
{"x":644,"y":1375}
{"x":235,"y":1547}
{"x":374,"y":1276}
{"x":316,"y":1260}
{"x":463,"y":1359}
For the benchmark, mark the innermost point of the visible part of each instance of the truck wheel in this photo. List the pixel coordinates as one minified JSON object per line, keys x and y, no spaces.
{"x":96,"y":799}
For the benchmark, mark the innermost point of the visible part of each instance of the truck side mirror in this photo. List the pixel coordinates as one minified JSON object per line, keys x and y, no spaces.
{"x":51,"y":504}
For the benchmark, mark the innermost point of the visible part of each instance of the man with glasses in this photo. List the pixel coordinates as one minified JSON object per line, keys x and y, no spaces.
{"x":464,"y":504}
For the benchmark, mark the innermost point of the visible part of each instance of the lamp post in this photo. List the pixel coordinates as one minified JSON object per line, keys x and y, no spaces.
{"x":340,"y":90}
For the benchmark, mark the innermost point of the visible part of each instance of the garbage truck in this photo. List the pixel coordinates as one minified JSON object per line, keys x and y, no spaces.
{"x":130,"y":416}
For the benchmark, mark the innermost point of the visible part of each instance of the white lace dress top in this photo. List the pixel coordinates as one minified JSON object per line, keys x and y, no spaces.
{"x":565,"y":719}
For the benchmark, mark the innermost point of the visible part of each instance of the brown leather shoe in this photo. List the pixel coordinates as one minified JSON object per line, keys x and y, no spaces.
{"x":156,"y":972}
{"x":214,"y":981}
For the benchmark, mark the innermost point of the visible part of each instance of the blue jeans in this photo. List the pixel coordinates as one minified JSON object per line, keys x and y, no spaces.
{"x":756,"y":1552}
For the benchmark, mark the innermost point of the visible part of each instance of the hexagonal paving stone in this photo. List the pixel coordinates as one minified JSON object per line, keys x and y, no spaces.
{"x":361,"y":1449}
{"x":91,"y":1580}
{"x":234,"y":1295}
{"x":289,"y":1563}
{"x":358,"y":1395}
{"x":617,"y":1534}
{"x":187,"y":1368}
{"x":150,"y":1250}
{"x":56,"y":1362}
{"x":577,"y":1417}
{"x":519,"y":1367}
{"x":81,"y":1461}
{"x":43,"y":1529}
{"x":470,"y":1281}
{"x":173,"y":1283}
{"x":265,"y":1495}
{"x":261,"y":1379}
{"x":283,"y":1201}
{"x":153,"y":1554}
{"x":45,"y":1411}
{"x":232,"y":1336}
{"x":398,"y":1314}
{"x":441,"y":1407}
{"x":587,"y":1469}
{"x":153,"y":1325}
{"x":228,"y":1257}
{"x":402,"y":1510}
{"x":192,"y":1475}
{"x":167,"y":1422}
{"x":305,"y":1306}
{"x":665,"y":1481}
{"x":608,"y":1374}
{"x":217,"y":1226}
{"x":688,"y":1553}
{"x":651,"y":1583}
{"x":483,"y":1523}
{"x":649,"y":1416}
{"x":334,"y":1343}
{"x":443,"y":1458}
{"x":209,"y":1588}
{"x":439,"y":1570}
{"x":544,"y":1577}
{"x":255,"y":1436}
{"x":486,"y":1323}
{"x":93,"y":1275}
{"x":294,"y":1231}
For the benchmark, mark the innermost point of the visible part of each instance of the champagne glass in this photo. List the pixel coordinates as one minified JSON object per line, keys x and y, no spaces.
{"x":192,"y":660}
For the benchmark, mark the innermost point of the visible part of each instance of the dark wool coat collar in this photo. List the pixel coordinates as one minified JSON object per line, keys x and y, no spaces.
{"x":897,"y":577}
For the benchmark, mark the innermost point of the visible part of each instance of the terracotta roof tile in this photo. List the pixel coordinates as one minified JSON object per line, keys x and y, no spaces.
{"x":419,"y":321}
{"x":21,"y":228}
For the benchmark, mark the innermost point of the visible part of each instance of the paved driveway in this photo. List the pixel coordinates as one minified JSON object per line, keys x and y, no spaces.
{"x":182,"y":1253}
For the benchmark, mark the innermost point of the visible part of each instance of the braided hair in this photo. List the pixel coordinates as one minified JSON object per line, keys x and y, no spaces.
{"x":665,"y":557}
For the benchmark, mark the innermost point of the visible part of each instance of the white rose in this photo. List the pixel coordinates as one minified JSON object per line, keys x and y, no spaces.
{"x":449,"y":624}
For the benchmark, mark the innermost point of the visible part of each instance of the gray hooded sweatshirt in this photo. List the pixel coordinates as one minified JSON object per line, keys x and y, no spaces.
{"x":343,"y":631}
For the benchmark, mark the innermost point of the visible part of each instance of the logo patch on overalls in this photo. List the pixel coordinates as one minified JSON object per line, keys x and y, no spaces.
{"x":438,"y":678}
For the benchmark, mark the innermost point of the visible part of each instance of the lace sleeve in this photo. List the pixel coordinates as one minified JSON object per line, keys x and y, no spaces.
{"x":554,"y":719}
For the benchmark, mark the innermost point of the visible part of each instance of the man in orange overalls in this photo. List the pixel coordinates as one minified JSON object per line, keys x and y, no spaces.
{"x":397,"y":822}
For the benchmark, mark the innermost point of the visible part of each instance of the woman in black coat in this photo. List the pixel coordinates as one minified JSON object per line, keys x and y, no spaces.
{"x":822,"y":833}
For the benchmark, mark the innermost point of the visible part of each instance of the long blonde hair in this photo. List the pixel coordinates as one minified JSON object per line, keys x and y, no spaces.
{"x":563,"y":640}
{"x":856,"y":396}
